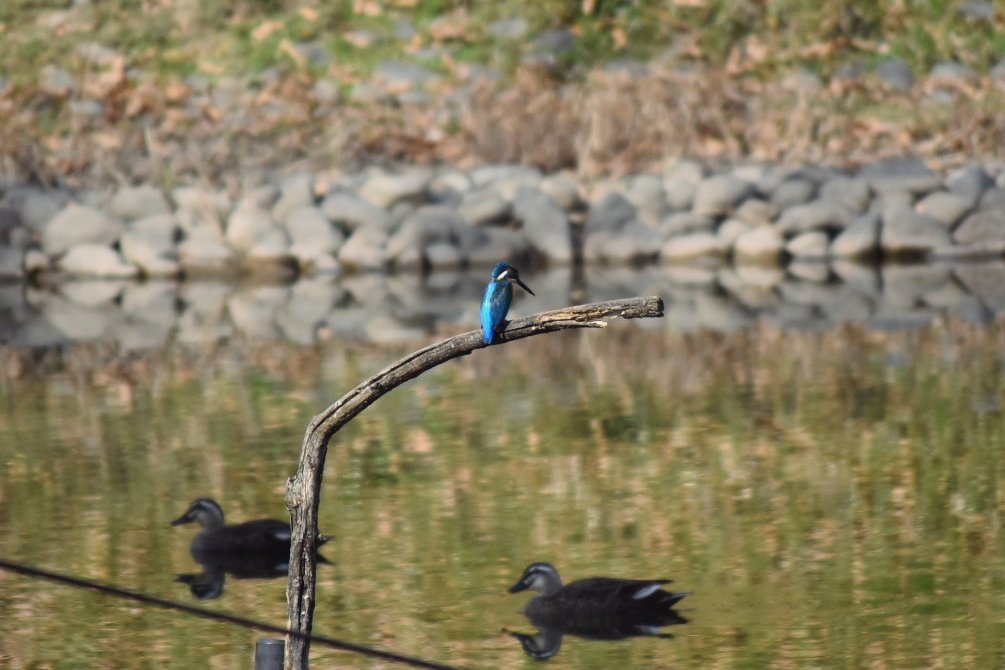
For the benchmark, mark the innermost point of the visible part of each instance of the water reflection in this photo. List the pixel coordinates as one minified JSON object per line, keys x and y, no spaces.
{"x":379,"y":308}
{"x":258,"y":549}
{"x":826,"y":495}
{"x":596,"y":608}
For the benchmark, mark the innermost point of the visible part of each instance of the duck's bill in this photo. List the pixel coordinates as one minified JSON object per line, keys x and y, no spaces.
{"x":523,"y":286}
{"x":516,"y":588}
{"x":184,"y":518}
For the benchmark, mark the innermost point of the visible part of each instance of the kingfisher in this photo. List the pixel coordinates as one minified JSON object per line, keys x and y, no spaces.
{"x":498,"y":296}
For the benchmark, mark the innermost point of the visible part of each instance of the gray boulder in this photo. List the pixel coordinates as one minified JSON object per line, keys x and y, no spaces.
{"x":38,"y":207}
{"x":686,"y":222}
{"x":793,"y":192}
{"x":252,"y":231}
{"x":756,"y":212}
{"x":11,"y":263}
{"x":161,"y":229}
{"x":611,"y":213}
{"x":95,"y":260}
{"x":564,"y":190}
{"x":681,"y":183}
{"x":202,"y":252}
{"x":352,"y":212}
{"x":309,"y":228}
{"x":859,"y":240}
{"x":497,"y":244}
{"x":848,"y":192}
{"x":690,"y":245}
{"x":907,"y":233}
{"x":635,"y":242}
{"x":443,"y":256}
{"x":720,"y":194}
{"x":729,"y":230}
{"x":760,"y":244}
{"x":545,"y":224}
{"x":383,"y":189}
{"x":137,"y":202}
{"x":153,"y":255}
{"x":817,"y":215}
{"x":297,"y":191}
{"x":365,"y":249}
{"x":969,"y":182}
{"x":484,"y":207}
{"x":992,"y":198}
{"x":945,"y":206}
{"x":429,"y":224}
{"x":215,"y":204}
{"x":809,"y":245}
{"x":646,"y":193}
{"x":79,"y":224}
{"x":900,"y":174}
{"x":986,"y":227}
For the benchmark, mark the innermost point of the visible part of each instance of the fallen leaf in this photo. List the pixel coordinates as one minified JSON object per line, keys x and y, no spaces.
{"x":309,"y":13}
{"x":367,"y":8}
{"x":287,"y":47}
{"x":264,"y":30}
{"x":620,"y":38}
{"x":177,"y":92}
{"x":210,"y":67}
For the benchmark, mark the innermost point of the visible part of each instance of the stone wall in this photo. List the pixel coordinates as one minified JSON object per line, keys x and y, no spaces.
{"x":424,"y":219}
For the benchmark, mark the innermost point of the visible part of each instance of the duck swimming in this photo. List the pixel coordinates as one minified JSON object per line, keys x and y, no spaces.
{"x":596,"y":599}
{"x":261,"y":536}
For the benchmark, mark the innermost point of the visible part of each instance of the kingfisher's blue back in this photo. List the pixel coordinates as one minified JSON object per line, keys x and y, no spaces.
{"x":495,"y":304}
{"x":498,"y":296}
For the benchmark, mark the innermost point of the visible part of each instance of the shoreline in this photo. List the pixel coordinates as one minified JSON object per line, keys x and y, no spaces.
{"x":420,"y":218}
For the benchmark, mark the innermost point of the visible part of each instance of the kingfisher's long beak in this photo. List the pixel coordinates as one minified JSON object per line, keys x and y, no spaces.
{"x":522,"y":285}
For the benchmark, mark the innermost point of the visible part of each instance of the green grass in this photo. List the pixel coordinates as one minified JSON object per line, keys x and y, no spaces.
{"x":922,"y":31}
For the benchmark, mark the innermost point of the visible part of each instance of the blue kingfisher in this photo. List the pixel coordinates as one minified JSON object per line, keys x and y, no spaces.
{"x":498,"y":296}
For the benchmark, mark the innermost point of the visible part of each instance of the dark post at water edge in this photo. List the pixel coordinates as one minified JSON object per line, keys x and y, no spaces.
{"x":303,"y":490}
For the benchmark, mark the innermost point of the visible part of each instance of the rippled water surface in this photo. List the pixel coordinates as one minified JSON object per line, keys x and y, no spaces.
{"x":831,"y":499}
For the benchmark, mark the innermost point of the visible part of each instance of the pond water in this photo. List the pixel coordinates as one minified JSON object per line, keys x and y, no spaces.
{"x":830,"y":497}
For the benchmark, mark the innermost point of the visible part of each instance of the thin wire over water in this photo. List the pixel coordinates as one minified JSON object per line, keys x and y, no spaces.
{"x":118,"y":592}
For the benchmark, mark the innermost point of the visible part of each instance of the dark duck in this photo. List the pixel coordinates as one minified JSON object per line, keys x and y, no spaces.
{"x":604,"y":608}
{"x":258,"y":549}
{"x":498,"y":297}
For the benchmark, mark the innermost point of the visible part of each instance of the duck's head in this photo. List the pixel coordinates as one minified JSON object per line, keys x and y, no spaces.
{"x":204,"y":511}
{"x":505,"y":272}
{"x":541,"y":577}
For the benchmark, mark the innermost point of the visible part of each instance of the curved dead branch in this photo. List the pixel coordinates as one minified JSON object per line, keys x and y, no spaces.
{"x":303,"y":490}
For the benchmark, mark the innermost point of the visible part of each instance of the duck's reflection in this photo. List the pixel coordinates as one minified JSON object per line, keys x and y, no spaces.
{"x":258,"y":549}
{"x":598,"y":608}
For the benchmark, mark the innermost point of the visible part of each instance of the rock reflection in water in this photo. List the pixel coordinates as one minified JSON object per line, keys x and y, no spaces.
{"x":258,"y":549}
{"x":381,"y":308}
{"x":597,"y":608}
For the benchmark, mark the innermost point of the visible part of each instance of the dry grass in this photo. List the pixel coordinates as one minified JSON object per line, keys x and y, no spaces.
{"x":606,"y":124}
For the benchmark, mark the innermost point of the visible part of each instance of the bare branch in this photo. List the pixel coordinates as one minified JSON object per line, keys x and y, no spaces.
{"x":303,"y":490}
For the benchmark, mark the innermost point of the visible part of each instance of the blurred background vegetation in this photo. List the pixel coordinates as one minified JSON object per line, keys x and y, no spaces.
{"x":595,"y":86}
{"x":185,"y":36}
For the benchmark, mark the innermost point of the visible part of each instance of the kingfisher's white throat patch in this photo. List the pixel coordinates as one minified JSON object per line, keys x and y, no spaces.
{"x":503,"y":275}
